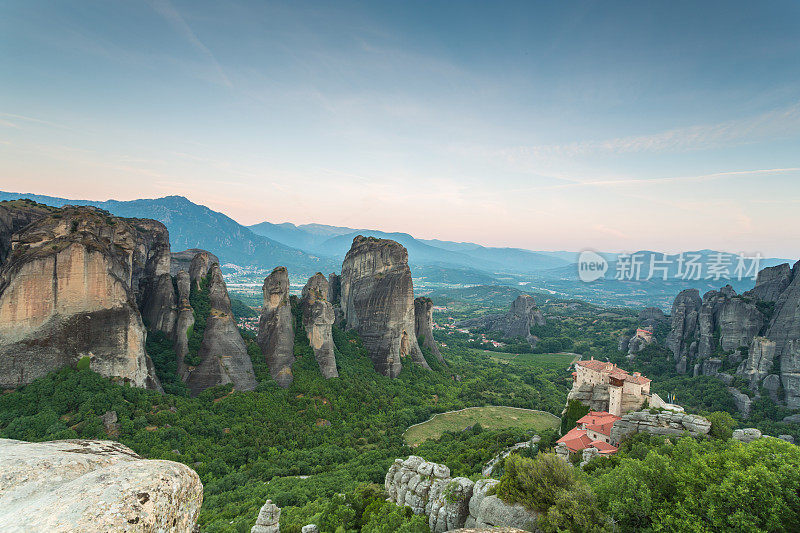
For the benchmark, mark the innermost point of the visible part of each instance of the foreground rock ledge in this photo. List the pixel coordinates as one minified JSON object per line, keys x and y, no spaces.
{"x":93,"y":486}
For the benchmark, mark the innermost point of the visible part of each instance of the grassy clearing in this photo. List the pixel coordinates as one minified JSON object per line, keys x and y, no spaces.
{"x":490,"y":417}
{"x":547,"y":361}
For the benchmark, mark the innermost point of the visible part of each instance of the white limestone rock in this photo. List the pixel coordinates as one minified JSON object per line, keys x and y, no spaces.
{"x":269,"y":519}
{"x":746,"y":435}
{"x":93,"y":486}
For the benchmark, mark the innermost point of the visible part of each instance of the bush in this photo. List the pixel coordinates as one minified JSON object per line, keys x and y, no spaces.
{"x":535,"y":483}
{"x":722,"y":424}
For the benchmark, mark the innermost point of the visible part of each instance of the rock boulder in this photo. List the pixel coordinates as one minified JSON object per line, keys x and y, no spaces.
{"x":93,"y":486}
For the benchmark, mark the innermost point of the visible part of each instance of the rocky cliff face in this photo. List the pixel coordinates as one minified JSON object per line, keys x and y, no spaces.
{"x":93,"y":486}
{"x":223,"y":354}
{"x":721,"y":320}
{"x":183,"y":260}
{"x":682,"y":338}
{"x":664,"y":423}
{"x":377,"y":300}
{"x":757,"y":333}
{"x":276,"y":328}
{"x":318,"y":318}
{"x":771,"y":282}
{"x":184,"y":321}
{"x":69,"y":290}
{"x":517,"y":322}
{"x":651,"y":317}
{"x":14,"y":216}
{"x":423,"y":325}
{"x":451,"y":503}
{"x":200,"y":265}
{"x":784,"y":330}
{"x":155,"y":294}
{"x":77,"y":282}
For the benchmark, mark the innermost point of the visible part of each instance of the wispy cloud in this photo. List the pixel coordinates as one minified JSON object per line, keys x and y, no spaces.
{"x":667,"y":179}
{"x":171,"y":15}
{"x":700,"y":137}
{"x":32,"y":120}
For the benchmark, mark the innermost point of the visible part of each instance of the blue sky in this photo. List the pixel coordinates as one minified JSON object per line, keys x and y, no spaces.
{"x":545,"y":125}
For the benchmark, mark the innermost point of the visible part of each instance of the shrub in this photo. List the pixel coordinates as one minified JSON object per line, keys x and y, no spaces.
{"x":721,"y":425}
{"x":535,"y":483}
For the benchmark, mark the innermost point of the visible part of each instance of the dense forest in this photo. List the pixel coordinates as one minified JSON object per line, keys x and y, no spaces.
{"x":321,"y":448}
{"x":250,"y":446}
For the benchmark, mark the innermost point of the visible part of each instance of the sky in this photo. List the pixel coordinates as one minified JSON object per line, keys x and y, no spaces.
{"x":616,"y":126}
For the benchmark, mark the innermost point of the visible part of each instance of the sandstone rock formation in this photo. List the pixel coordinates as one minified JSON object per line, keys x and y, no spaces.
{"x":69,"y":290}
{"x":82,"y":283}
{"x":335,"y":288}
{"x":200,"y":265}
{"x":662,"y":423}
{"x":771,"y":282}
{"x":14,"y":216}
{"x":93,"y":486}
{"x":758,"y":333}
{"x":742,"y":401}
{"x":155,"y":292}
{"x":318,"y":318}
{"x":276,"y":327}
{"x":450,"y":503}
{"x":377,"y":300}
{"x":423,"y":325}
{"x":682,"y":338}
{"x":269,"y":519}
{"x":223,"y":354}
{"x":651,"y":317}
{"x":784,"y":330}
{"x":183,"y":260}
{"x":517,"y":322}
{"x":759,"y":362}
{"x":184,"y":321}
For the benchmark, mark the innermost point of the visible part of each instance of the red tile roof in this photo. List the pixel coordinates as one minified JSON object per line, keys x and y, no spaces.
{"x":599,"y":421}
{"x":575,"y":440}
{"x":613,"y":371}
{"x":603,"y":447}
{"x":593,"y":364}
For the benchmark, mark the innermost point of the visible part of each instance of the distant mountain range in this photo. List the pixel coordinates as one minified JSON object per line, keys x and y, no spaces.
{"x":334,"y":241}
{"x":308,"y":248}
{"x":195,"y":226}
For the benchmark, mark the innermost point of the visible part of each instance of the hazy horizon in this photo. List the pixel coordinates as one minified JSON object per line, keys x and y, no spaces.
{"x":616,"y":127}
